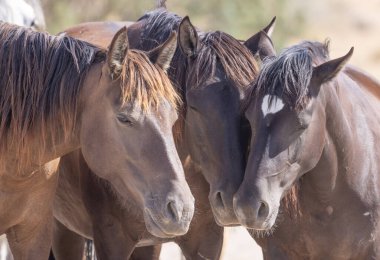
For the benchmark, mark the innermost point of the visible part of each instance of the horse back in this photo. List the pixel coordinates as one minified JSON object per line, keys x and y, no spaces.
{"x":97,"y":33}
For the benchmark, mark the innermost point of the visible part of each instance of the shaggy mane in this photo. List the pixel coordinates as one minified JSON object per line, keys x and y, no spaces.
{"x":288,"y":75}
{"x":42,"y":76}
{"x":145,"y":83}
{"x":237,"y":61}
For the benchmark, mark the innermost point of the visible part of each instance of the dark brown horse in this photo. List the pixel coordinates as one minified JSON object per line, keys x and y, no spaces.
{"x":314,"y":162}
{"x":212,"y":130}
{"x":57,"y":95}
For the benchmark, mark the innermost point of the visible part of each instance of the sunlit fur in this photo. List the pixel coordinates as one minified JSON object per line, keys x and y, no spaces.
{"x":43,"y":76}
{"x":145,"y":83}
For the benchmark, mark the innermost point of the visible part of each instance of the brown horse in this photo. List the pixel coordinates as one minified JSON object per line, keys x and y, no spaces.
{"x":219,"y":54}
{"x":58,"y":94}
{"x":313,"y":157}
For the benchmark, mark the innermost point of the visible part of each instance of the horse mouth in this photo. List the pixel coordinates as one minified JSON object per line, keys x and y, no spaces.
{"x":154,"y":228}
{"x":224,"y":218}
{"x":267,"y":225}
{"x":226,"y":223}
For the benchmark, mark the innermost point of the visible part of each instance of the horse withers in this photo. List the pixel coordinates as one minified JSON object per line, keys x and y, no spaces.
{"x":313,"y":163}
{"x":59,"y":94}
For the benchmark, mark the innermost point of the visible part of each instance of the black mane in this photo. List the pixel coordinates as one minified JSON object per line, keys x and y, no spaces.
{"x":238,"y":63}
{"x":288,"y":75}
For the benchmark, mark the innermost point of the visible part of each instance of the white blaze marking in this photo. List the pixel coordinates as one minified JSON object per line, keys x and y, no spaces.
{"x":277,"y":105}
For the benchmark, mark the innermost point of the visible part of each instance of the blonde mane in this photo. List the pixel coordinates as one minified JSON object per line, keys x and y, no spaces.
{"x":145,"y":83}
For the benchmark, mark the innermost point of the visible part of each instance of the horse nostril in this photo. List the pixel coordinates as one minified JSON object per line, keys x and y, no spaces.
{"x":219,"y":199}
{"x":174,"y":211}
{"x":263,"y":210}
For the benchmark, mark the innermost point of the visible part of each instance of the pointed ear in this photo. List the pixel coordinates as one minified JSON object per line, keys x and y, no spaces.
{"x":261,"y":44}
{"x":160,"y":4}
{"x":330,"y":69}
{"x":163,"y":54}
{"x":188,"y":38}
{"x":270,"y":27}
{"x":117,"y":52}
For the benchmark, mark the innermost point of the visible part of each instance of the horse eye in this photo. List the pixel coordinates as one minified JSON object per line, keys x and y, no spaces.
{"x":124,"y":119}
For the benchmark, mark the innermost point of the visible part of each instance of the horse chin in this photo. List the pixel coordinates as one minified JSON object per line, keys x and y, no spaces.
{"x":262,"y":226}
{"x":157,"y":230}
{"x":225,"y":220}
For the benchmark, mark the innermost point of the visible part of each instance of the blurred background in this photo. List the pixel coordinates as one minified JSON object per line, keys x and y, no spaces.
{"x":345,"y":22}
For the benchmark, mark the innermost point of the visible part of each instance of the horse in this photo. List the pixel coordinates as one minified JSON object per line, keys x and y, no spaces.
{"x":59,"y":94}
{"x":23,"y":13}
{"x":215,"y":55}
{"x":310,"y":185}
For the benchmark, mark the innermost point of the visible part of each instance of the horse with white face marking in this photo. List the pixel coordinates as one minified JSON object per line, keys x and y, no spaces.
{"x":271,"y":105}
{"x":314,"y":157}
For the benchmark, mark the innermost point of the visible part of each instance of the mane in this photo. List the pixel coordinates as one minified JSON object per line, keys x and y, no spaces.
{"x":288,"y":75}
{"x":145,"y":84}
{"x":42,"y":76}
{"x":237,"y":61}
{"x":290,"y":204}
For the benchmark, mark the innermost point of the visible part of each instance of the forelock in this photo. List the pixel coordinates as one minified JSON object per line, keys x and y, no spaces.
{"x":287,"y":76}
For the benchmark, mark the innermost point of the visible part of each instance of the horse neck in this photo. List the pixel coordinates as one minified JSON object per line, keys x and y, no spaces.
{"x":57,"y":143}
{"x":29,"y":167}
{"x":349,"y":149}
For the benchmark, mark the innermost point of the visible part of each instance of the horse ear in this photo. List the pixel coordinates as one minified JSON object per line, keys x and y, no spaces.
{"x":161,"y":4}
{"x":261,"y":43}
{"x":117,"y":52}
{"x":270,"y":27}
{"x":163,"y":54}
{"x":330,"y":69}
{"x":188,"y":38}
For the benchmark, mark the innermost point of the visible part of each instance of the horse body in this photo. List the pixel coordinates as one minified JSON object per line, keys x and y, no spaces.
{"x":327,"y":168}
{"x":47,"y":115}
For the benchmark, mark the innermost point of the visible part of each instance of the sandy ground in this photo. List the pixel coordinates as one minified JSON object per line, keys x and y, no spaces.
{"x":237,"y":245}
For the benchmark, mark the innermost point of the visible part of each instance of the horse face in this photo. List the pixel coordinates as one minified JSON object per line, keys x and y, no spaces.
{"x":130,"y":142}
{"x":283,"y":146}
{"x":213,"y":124}
{"x":286,"y":143}
{"x":213,"y":135}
